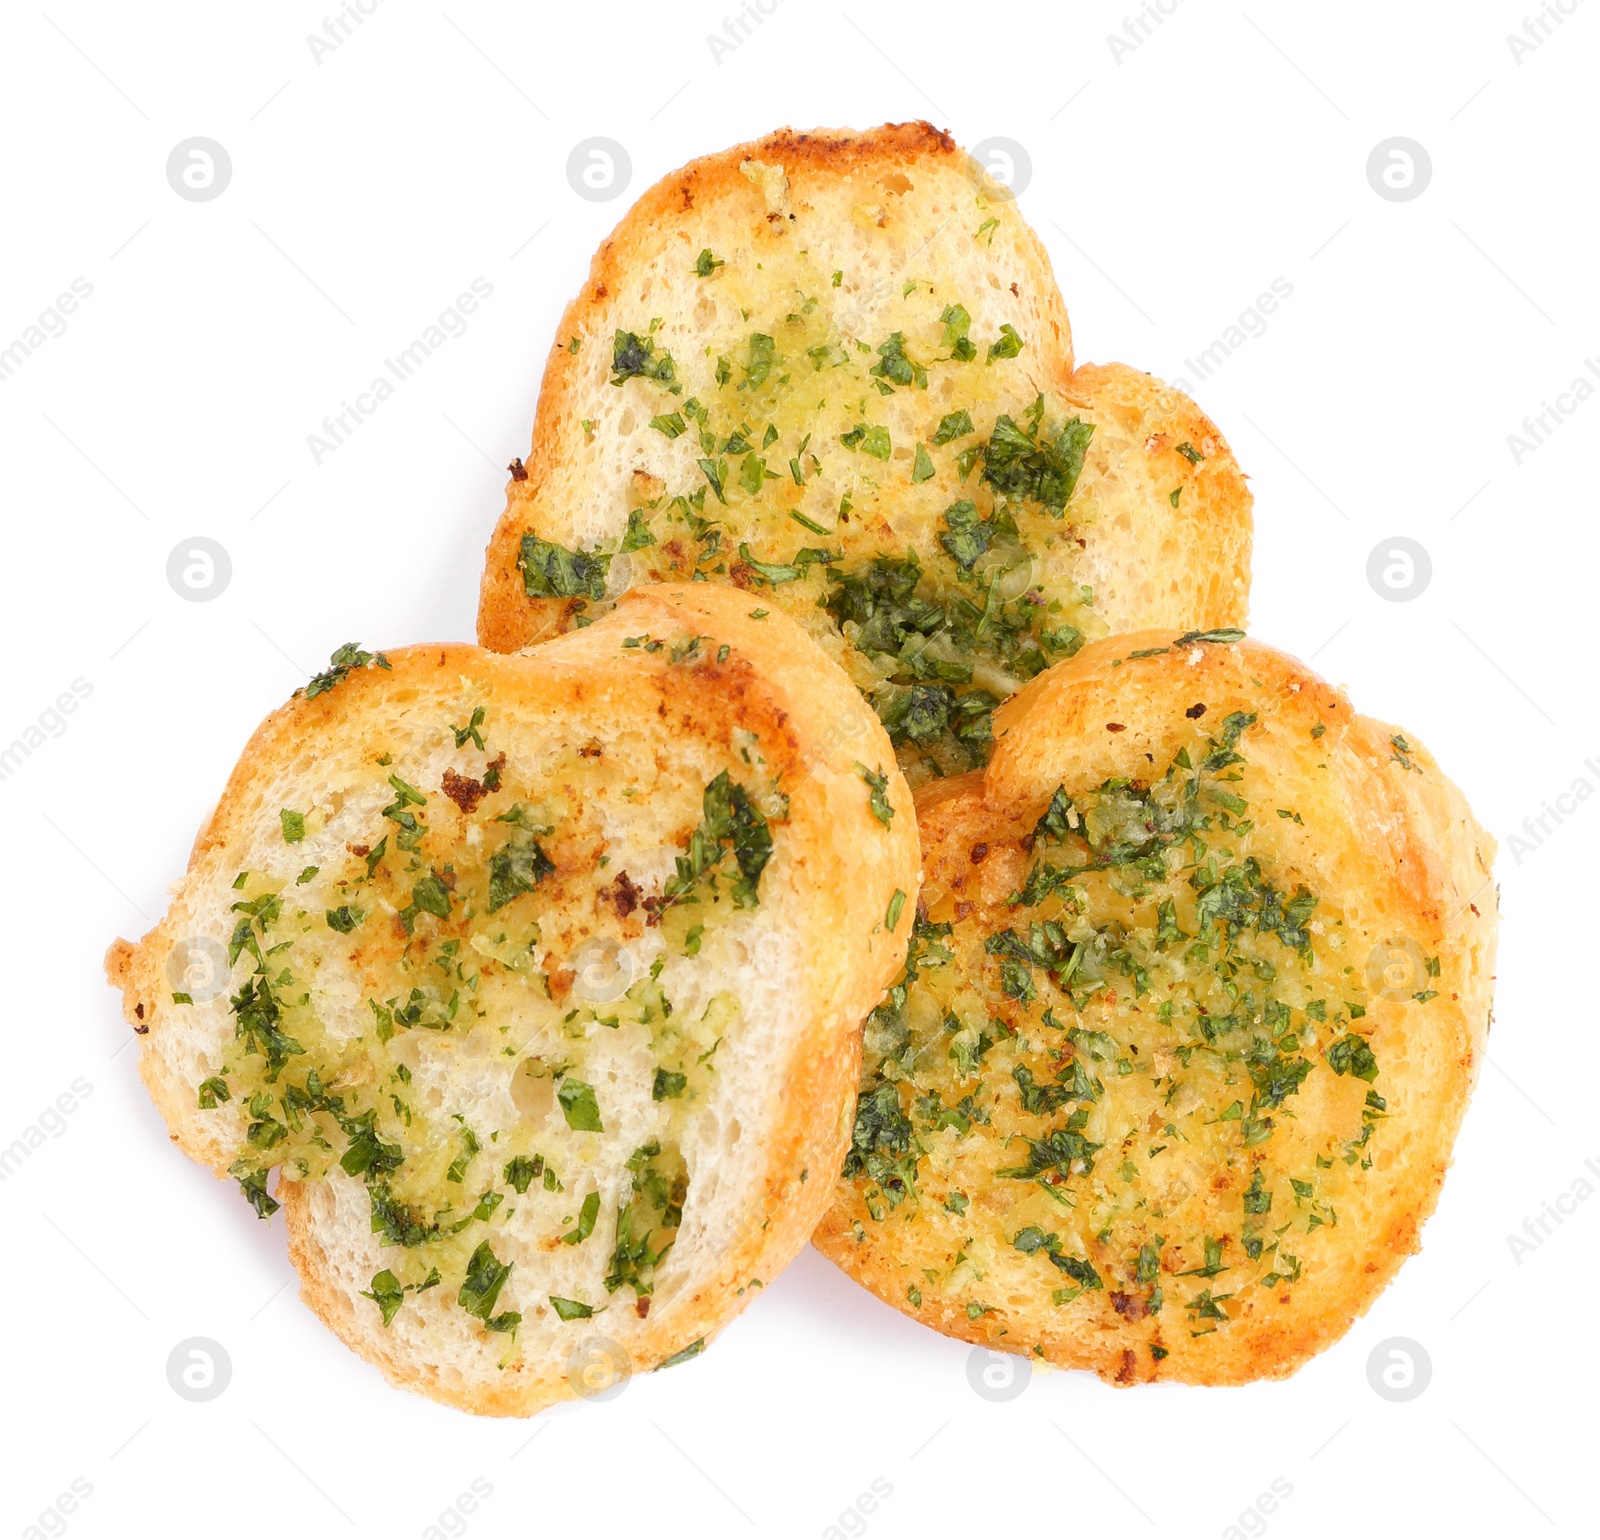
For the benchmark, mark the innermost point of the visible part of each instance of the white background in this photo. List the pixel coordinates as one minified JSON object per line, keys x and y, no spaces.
{"x":1172,"y":183}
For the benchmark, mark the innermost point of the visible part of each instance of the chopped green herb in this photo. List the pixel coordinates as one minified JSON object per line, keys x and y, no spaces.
{"x":480,"y":1289}
{"x":878,"y":781}
{"x":873,"y":441}
{"x":683,"y":1355}
{"x":730,"y":819}
{"x":634,"y":357}
{"x":344,"y":660}
{"x":668,"y":1083}
{"x":550,"y":571}
{"x":1008,"y":345}
{"x":579,"y":1106}
{"x":953,"y":425}
{"x":587,"y":1214}
{"x":1018,"y":462}
{"x":521,"y":1172}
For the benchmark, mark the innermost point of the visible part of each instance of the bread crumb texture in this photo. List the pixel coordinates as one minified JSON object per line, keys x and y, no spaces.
{"x":834,"y":370}
{"x":529,"y":987}
{"x":1199,"y":988}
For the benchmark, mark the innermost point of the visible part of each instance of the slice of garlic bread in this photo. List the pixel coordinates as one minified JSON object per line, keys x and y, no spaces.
{"x":539,"y":981}
{"x":1199,"y":989}
{"x":834,"y":369}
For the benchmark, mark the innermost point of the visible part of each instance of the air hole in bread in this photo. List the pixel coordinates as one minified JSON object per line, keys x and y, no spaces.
{"x":533,"y":1090}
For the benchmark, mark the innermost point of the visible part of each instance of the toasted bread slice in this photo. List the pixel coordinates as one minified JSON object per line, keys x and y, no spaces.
{"x":1197,"y":997}
{"x":540,"y":980}
{"x":834,"y":369}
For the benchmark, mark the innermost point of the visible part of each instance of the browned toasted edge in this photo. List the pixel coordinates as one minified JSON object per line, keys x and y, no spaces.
{"x":1413,"y":835}
{"x":508,"y":618}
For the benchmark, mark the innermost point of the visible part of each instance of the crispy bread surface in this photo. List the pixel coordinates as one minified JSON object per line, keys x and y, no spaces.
{"x":1198,"y":995}
{"x":834,"y":369}
{"x":539,"y":979}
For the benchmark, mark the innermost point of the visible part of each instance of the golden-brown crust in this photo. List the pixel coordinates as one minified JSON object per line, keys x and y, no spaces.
{"x":833,"y":862}
{"x":1192,"y":569}
{"x":507,"y":617}
{"x":1385,"y":836}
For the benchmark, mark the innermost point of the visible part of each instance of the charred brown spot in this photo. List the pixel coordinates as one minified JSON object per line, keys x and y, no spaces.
{"x":1196,"y":711}
{"x":979,"y":851}
{"x":519,"y":471}
{"x":642,"y":1306}
{"x":1115,"y":727}
{"x":625,"y":895}
{"x":963,"y":908}
{"x":465,"y":792}
{"x":138,"y":1011}
{"x":359,"y":850}
{"x":1126,"y":1374}
{"x":1131,"y":1307}
{"x":590,"y":750}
